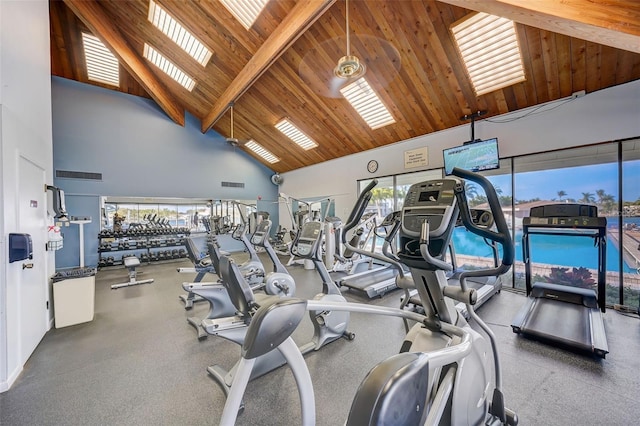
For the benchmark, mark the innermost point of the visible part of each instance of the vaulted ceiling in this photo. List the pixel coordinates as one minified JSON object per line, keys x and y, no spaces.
{"x":282,"y":67}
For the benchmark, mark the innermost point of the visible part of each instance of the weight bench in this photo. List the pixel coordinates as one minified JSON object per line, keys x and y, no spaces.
{"x":131,"y":263}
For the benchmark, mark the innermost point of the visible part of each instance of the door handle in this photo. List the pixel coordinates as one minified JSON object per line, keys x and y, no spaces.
{"x":27,"y":265}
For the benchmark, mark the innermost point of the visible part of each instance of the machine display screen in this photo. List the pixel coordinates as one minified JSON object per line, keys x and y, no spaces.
{"x":428,"y":196}
{"x":310,"y":232}
{"x":475,"y":157}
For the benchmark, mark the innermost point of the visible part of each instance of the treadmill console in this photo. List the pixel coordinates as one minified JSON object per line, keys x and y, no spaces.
{"x":306,"y":245}
{"x":564,"y":210}
{"x":432,"y":201}
{"x":261,"y":233}
{"x":580,"y":216}
{"x":581,"y":222}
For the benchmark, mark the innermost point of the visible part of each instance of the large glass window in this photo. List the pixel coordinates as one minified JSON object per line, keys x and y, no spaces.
{"x":604,"y":175}
{"x":471,"y":250}
{"x":584,"y":176}
{"x":404,"y":182}
{"x":154,"y":214}
{"x":630,"y":230}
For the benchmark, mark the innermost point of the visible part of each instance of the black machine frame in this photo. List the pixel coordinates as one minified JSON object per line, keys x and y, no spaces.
{"x":567,"y":315}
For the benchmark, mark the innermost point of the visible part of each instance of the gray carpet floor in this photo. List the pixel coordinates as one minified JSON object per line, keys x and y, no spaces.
{"x":139,"y":363}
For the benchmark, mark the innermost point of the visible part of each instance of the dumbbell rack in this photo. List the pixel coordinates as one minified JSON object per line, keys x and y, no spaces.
{"x":147,"y":245}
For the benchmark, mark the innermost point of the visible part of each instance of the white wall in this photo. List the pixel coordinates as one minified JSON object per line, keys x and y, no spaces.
{"x":601,"y":116}
{"x":25,"y":130}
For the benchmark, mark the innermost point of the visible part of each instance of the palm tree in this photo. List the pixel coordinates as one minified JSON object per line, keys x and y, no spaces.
{"x":588,"y":198}
{"x":608,"y":203}
{"x":471,"y":190}
{"x":381,"y":196}
{"x":561,"y":194}
{"x":601,"y":193}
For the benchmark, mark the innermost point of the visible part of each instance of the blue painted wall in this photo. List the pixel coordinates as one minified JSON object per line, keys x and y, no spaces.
{"x":141,"y":152}
{"x":69,"y":255}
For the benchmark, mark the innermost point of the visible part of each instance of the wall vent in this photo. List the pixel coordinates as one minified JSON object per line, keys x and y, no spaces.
{"x":67,"y":174}
{"x":233,"y":184}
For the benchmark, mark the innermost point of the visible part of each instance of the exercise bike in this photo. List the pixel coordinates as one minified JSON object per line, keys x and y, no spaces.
{"x":446,"y":372}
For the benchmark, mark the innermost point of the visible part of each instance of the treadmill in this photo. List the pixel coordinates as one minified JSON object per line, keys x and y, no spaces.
{"x":381,"y":280}
{"x":557,"y":312}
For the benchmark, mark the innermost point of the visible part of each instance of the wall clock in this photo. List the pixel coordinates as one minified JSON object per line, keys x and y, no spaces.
{"x":372,"y":166}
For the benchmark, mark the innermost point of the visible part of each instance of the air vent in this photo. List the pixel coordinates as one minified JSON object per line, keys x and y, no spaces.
{"x":233,"y":184}
{"x":67,"y":174}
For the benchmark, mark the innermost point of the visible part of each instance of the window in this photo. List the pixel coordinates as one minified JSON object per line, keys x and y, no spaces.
{"x":101,"y":65}
{"x":582,"y":175}
{"x":293,"y":133}
{"x":245,"y":11}
{"x":178,"y":34}
{"x":490,"y":51}
{"x":629,"y":232}
{"x":367,"y":103}
{"x":262,"y":151}
{"x":168,"y":67}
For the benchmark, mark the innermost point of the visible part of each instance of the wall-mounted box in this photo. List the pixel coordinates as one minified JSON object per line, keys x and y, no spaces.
{"x":20,"y":247}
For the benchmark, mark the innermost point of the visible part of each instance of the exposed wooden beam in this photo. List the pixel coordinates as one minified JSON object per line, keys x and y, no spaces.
{"x":94,"y":17}
{"x":614,"y":23}
{"x":301,"y":17}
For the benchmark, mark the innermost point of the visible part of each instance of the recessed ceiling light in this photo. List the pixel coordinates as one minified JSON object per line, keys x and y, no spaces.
{"x":293,"y":133}
{"x":168,"y":67}
{"x":101,"y":65}
{"x":367,"y":103}
{"x":245,"y":11}
{"x":262,"y":151}
{"x":176,"y":32}
{"x":490,"y":51}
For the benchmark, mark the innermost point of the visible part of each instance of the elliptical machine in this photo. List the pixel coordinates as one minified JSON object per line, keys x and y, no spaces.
{"x":278,"y":282}
{"x":328,"y":325}
{"x":445,"y":373}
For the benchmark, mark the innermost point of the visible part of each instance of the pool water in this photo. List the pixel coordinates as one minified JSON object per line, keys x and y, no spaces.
{"x":547,"y":249}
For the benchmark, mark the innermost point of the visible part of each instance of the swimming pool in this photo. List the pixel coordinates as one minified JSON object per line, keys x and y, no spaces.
{"x":548,"y":249}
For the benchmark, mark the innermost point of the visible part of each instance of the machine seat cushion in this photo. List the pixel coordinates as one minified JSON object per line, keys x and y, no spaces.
{"x":393,"y":393}
{"x":131,"y":262}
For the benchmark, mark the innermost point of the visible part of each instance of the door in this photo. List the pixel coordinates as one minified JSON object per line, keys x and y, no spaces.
{"x":33,"y":283}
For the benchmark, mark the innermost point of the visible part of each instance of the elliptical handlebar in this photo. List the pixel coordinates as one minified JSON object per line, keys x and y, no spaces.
{"x":503,"y":235}
{"x":358,"y":209}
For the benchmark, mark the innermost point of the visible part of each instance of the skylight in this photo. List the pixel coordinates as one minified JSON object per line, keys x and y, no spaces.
{"x":262,"y":151}
{"x":176,"y":32}
{"x":102,"y":66}
{"x":245,"y":11}
{"x":490,"y":50}
{"x":165,"y":65}
{"x":293,"y":133}
{"x":367,"y":103}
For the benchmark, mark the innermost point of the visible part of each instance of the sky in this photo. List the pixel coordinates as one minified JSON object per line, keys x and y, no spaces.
{"x":574,"y":181}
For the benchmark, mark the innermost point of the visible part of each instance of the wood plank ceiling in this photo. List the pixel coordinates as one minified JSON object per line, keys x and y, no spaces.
{"x":281,"y":67}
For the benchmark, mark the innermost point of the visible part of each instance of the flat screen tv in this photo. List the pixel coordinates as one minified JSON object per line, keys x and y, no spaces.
{"x":476,"y":156}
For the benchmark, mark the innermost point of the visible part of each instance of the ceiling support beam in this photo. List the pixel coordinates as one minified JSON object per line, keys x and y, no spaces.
{"x":94,"y":17}
{"x":611,"y":23}
{"x":301,"y":17}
